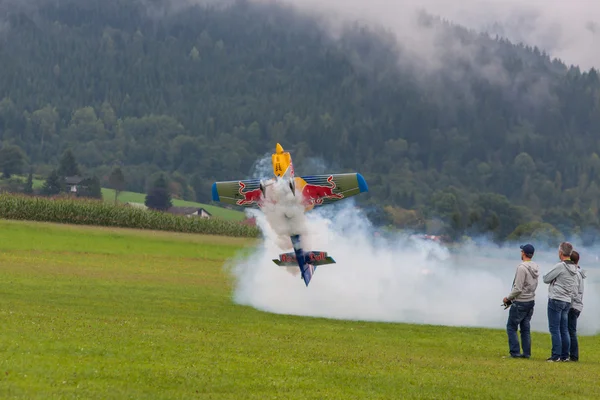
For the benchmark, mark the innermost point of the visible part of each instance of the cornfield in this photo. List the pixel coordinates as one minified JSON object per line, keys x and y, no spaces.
{"x":93,"y":212}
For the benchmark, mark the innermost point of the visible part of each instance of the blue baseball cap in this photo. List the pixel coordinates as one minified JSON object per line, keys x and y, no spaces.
{"x":528,"y":249}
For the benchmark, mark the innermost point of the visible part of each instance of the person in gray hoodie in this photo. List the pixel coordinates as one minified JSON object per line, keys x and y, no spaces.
{"x":522,"y":301}
{"x":562,"y":280}
{"x":575,"y":310}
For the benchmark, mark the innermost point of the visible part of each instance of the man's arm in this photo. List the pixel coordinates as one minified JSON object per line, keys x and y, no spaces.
{"x":517,"y":288}
{"x":553,"y":274}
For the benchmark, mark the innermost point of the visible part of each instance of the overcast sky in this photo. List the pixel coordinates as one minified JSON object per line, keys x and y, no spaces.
{"x":567,"y":29}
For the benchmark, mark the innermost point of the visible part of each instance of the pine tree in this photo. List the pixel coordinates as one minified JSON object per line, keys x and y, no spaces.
{"x":159,"y":197}
{"x":117,"y":181}
{"x":53,"y":184}
{"x":12,"y":159}
{"x":68,"y":166}
{"x":28,"y":189}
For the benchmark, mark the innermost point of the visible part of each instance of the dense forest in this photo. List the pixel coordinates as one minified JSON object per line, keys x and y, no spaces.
{"x":202,"y":92}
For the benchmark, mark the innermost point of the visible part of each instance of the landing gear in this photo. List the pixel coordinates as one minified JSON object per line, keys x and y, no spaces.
{"x":262,"y":188}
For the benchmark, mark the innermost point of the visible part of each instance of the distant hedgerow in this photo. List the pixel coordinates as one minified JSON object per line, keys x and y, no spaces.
{"x":68,"y":210}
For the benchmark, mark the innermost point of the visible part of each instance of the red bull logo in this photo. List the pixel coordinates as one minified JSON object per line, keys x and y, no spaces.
{"x":250,"y":196}
{"x":288,"y":258}
{"x":315,"y":194}
{"x":317,"y":256}
{"x":312,"y":256}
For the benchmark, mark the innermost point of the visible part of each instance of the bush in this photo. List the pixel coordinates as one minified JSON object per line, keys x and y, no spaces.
{"x":67,"y":210}
{"x":536,"y":231}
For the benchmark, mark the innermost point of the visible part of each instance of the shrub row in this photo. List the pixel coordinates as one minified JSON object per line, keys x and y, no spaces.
{"x":94,"y":212}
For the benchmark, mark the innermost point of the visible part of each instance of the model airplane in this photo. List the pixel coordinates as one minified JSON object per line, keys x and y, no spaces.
{"x":287,"y":192}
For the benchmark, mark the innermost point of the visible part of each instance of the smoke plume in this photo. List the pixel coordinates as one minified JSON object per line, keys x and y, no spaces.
{"x":394,"y":277}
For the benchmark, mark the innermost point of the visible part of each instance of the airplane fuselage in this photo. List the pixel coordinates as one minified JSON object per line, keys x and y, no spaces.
{"x":284,"y":200}
{"x":283,"y":170}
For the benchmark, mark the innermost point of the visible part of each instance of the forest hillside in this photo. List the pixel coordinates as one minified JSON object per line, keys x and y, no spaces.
{"x":503,"y":140}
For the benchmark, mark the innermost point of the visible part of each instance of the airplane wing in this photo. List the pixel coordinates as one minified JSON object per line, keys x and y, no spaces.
{"x":244,"y":193}
{"x":324,"y":189}
{"x":316,"y":190}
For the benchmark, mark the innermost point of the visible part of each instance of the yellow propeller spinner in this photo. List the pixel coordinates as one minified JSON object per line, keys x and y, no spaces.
{"x":281,"y":161}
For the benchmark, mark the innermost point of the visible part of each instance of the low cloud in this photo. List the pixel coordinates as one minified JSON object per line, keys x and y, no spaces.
{"x":567,"y":30}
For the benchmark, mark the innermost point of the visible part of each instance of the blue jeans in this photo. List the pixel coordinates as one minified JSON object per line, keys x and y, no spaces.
{"x":519,"y":316}
{"x":558,"y":324}
{"x":574,"y":352}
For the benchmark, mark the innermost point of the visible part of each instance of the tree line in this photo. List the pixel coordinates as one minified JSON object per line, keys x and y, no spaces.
{"x":67,"y":175}
{"x":200,"y":93}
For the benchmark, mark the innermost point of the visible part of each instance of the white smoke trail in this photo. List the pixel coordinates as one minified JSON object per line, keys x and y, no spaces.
{"x":394,"y":279}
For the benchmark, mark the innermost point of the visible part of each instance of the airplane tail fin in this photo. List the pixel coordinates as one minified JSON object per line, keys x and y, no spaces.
{"x":307,"y":262}
{"x":308,"y":270}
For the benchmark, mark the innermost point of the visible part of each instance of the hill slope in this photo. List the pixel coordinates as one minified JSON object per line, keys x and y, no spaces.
{"x":203,"y":92}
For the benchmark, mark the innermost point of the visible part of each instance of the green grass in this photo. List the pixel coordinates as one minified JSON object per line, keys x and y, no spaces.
{"x":37,"y":183}
{"x":106,"y":313}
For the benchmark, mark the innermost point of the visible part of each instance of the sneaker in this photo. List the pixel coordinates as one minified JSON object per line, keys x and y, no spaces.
{"x":565,"y":359}
{"x":516,"y":355}
{"x":553,"y":359}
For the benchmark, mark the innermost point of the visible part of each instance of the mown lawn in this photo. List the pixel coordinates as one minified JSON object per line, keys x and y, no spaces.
{"x":110,"y":314}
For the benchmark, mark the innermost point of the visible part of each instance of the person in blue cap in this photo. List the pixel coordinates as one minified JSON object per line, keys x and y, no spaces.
{"x":521,"y":300}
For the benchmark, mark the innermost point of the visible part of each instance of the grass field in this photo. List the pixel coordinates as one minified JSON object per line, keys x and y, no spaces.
{"x":101,"y":313}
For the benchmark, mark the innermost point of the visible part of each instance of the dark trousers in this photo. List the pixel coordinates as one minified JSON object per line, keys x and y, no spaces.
{"x":574,"y":349}
{"x":519,"y":317}
{"x":558,"y":312}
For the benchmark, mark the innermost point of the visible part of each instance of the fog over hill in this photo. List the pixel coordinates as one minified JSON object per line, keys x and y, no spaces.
{"x":567,"y":30}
